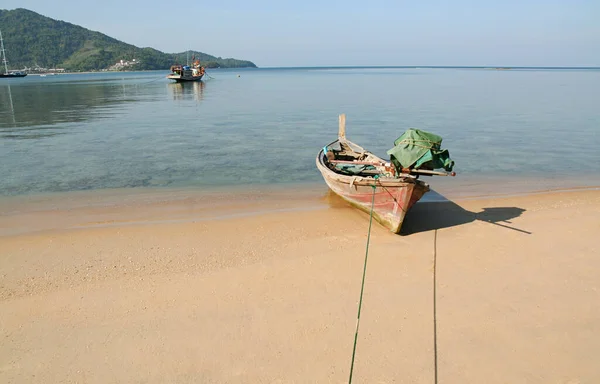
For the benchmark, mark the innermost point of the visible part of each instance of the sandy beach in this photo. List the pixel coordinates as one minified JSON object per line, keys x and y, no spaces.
{"x":486,"y":290}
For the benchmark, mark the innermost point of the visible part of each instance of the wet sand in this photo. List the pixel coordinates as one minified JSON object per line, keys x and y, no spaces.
{"x":176,"y":290}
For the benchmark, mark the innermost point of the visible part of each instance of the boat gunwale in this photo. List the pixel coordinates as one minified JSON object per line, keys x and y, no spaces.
{"x":388,"y":182}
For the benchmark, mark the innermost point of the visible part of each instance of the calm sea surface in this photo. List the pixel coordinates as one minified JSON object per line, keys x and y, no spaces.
{"x":509,"y":130}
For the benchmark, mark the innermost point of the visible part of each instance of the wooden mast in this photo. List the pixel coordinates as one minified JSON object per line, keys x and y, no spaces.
{"x":3,"y":54}
{"x":342,"y":126}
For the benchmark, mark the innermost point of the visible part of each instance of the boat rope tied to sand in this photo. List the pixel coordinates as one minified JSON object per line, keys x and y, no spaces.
{"x":362,"y":286}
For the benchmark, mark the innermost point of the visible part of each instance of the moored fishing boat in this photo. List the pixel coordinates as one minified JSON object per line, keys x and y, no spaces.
{"x":183,"y":73}
{"x":389,"y":188}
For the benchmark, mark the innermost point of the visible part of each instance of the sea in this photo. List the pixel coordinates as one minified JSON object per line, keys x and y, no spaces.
{"x":509,"y":131}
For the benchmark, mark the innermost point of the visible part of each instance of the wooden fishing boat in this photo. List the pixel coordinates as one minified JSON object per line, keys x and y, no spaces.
{"x":185,"y":73}
{"x":358,"y":176}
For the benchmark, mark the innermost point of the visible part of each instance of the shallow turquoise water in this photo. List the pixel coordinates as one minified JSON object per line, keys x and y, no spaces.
{"x":265,"y":126}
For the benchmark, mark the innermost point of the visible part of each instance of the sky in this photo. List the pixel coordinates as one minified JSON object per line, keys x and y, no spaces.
{"x":280,"y":33}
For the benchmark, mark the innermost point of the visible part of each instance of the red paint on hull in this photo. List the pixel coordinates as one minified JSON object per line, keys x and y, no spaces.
{"x":393,"y":196}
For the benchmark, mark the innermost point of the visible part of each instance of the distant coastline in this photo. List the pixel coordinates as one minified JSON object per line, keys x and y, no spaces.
{"x":490,"y":68}
{"x":429,"y":67}
{"x":86,"y":50}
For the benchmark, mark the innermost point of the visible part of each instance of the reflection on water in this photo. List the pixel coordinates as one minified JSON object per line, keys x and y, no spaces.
{"x":12,"y":108}
{"x":38,"y":109}
{"x":191,"y":90}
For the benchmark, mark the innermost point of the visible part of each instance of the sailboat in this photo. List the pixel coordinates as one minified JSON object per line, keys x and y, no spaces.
{"x":6,"y":73}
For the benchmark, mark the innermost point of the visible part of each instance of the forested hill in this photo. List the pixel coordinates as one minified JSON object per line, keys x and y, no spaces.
{"x":32,"y":40}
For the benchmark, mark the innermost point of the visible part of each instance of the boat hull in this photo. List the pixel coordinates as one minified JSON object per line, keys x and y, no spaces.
{"x":185,"y":79}
{"x":11,"y":75}
{"x":392,"y":197}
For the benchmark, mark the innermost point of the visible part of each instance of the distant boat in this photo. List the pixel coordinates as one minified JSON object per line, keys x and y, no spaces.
{"x":358,"y":176}
{"x":182,"y":73}
{"x":7,"y":73}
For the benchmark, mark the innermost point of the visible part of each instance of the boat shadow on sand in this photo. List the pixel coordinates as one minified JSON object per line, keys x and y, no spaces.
{"x":438,"y":212}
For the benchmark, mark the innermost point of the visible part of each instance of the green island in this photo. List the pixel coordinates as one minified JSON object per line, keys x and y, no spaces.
{"x":36,"y":43}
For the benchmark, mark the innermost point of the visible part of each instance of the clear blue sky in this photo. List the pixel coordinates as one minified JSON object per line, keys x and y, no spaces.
{"x":371,"y":32}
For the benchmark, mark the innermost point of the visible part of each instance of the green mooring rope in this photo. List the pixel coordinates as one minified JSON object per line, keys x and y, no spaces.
{"x":362,"y":287}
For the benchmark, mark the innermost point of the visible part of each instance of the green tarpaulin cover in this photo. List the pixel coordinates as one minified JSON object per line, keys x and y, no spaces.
{"x":417,"y":149}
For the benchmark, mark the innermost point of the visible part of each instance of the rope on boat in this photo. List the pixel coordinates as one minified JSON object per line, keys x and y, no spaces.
{"x":362,"y":287}
{"x":392,"y":196}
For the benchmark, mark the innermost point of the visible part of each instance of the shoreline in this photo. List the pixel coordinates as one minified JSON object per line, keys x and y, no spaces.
{"x":24,"y":214}
{"x":493,"y":67}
